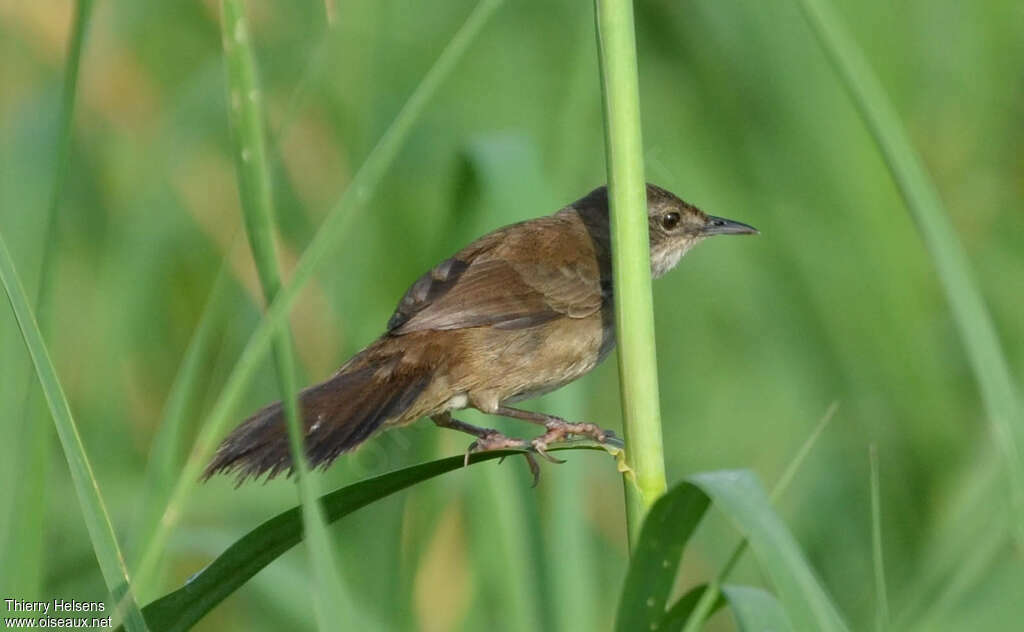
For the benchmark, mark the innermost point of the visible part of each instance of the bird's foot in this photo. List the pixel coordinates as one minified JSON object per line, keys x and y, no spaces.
{"x":560,"y":430}
{"x":494,"y":440}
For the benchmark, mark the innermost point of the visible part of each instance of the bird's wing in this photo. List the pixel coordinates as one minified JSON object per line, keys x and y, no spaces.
{"x":498,"y":292}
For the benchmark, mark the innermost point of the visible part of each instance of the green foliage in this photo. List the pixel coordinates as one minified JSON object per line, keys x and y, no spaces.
{"x":165,"y":455}
{"x":666,"y":532}
{"x":94,"y":511}
{"x":277,"y":311}
{"x":181,"y":609}
{"x":756,"y":610}
{"x":881,"y":594}
{"x":656,"y":555}
{"x":686,"y":609}
{"x":838,"y":300}
{"x":21,"y":555}
{"x":1003,"y":406}
{"x":741,"y":497}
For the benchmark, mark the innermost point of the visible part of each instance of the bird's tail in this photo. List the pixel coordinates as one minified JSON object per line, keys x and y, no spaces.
{"x":336,"y":415}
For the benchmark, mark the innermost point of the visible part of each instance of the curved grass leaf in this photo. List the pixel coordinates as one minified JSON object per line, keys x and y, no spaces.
{"x":740,"y":496}
{"x":656,"y":555}
{"x":669,"y":526}
{"x":981,"y":344}
{"x":712,"y":597}
{"x":181,"y":609}
{"x":94,"y":511}
{"x":756,"y":610}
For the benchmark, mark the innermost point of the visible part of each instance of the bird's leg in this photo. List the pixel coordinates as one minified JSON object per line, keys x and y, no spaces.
{"x":488,"y":439}
{"x":557,"y":429}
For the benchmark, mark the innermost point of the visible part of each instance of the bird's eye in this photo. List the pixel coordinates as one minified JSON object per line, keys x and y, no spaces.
{"x":670,"y":220}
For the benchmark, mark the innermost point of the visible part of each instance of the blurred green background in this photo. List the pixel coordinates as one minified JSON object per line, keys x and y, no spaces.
{"x":835,"y":301}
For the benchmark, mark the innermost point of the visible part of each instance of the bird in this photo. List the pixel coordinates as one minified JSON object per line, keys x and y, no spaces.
{"x":520,"y":312}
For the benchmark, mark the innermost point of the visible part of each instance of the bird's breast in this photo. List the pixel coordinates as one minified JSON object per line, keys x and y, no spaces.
{"x":511,"y":365}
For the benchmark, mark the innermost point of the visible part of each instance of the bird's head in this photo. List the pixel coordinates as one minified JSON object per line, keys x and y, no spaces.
{"x":676,"y":226}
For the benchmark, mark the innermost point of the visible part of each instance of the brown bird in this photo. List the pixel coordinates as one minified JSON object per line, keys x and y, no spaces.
{"x":517,"y":313}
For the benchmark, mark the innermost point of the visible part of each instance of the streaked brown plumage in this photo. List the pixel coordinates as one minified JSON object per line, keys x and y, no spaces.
{"x":517,"y":313}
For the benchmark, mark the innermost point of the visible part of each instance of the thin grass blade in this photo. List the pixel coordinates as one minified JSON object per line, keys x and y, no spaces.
{"x":334,"y":226}
{"x":165,"y":454}
{"x":255,"y":191}
{"x":507,"y":172}
{"x":94,"y":511}
{"x":573,"y":558}
{"x":981,"y":344}
{"x":656,"y":558}
{"x":21,"y":551}
{"x":712,"y":596}
{"x":740,"y":496}
{"x":878,"y":562}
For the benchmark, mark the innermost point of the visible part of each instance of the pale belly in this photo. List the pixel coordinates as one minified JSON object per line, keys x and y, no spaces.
{"x":511,"y":366}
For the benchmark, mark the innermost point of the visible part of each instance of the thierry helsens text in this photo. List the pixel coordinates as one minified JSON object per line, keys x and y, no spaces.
{"x":57,"y":605}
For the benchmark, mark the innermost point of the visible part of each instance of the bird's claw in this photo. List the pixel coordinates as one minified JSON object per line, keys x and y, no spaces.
{"x":534,"y":468}
{"x":494,"y":440}
{"x":540,"y":446}
{"x":497,"y":441}
{"x":612,"y":439}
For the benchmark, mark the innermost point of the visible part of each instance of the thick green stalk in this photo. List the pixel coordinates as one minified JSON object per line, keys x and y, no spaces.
{"x":333,"y":227}
{"x":981,"y":344}
{"x":634,"y":306}
{"x":247,"y":122}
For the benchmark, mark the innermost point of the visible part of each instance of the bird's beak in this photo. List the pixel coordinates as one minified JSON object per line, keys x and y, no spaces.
{"x":722,"y":226}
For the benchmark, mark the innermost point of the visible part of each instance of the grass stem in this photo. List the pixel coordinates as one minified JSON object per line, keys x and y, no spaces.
{"x":255,"y":191}
{"x":94,"y":510}
{"x":334,"y":226}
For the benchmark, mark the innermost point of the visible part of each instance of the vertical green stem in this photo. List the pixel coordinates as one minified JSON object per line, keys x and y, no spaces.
{"x":634,"y":308}
{"x":247,"y":121}
{"x":337,"y":221}
{"x":83,"y":10}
